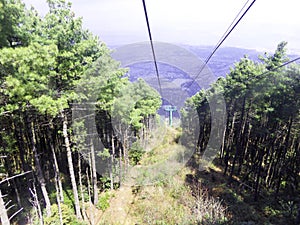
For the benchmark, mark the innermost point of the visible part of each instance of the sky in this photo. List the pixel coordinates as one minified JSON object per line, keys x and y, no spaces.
{"x":193,"y":22}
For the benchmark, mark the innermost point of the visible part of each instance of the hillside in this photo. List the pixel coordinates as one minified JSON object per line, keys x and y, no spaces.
{"x":219,"y":65}
{"x":178,"y":67}
{"x":187,"y":195}
{"x":224,"y":58}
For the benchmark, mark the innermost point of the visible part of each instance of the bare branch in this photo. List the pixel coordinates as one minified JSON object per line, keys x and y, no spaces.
{"x":7,"y":202}
{"x":10,"y":207}
{"x":18,"y":175}
{"x":12,"y":216}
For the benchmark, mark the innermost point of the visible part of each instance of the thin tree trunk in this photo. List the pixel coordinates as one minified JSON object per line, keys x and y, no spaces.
{"x":239,"y":141}
{"x":71,"y":167}
{"x":57,"y":173}
{"x":223,"y":141}
{"x":94,"y":173}
{"x":58,"y":186}
{"x":92,"y":218}
{"x":229,"y":142}
{"x":37,"y":203}
{"x":40,"y":175}
{"x":112,"y":157}
{"x":58,"y":200}
{"x":257,"y":183}
{"x":120,"y":166}
{"x":21,"y":145}
{"x":125,"y":151}
{"x":17,"y":193}
{"x":81,"y":188}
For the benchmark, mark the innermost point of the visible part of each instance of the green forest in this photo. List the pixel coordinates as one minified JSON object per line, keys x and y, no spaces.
{"x":62,"y":94}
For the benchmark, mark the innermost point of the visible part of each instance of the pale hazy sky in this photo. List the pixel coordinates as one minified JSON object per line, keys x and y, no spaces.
{"x":197,"y":22}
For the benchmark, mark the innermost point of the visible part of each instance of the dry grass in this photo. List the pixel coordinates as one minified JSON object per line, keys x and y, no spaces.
{"x":159,"y":192}
{"x":207,"y":209}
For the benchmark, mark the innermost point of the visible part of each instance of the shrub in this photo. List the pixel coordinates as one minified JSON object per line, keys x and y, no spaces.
{"x":68,"y":216}
{"x":136,"y":153}
{"x":68,"y":196}
{"x":105,"y":180}
{"x":207,"y":209}
{"x":103,"y":202}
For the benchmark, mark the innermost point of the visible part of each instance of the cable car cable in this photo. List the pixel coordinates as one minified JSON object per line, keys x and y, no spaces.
{"x":152,"y":47}
{"x":225,"y":36}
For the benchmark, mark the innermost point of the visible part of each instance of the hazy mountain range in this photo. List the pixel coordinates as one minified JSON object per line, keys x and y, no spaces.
{"x":176,"y":84}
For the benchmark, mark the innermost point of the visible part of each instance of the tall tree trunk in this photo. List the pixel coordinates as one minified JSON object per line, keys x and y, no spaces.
{"x":70,"y":164}
{"x":39,"y":171}
{"x":17,"y":193}
{"x":19,"y":136}
{"x":91,"y":211}
{"x":57,"y":173}
{"x":125,"y":151}
{"x":239,"y":148}
{"x":258,"y":175}
{"x":81,"y":188}
{"x":58,"y":200}
{"x":120,"y":166}
{"x":224,"y":141}
{"x":37,"y":205}
{"x":112,"y":158}
{"x":94,"y":173}
{"x":58,"y":186}
{"x":229,"y":143}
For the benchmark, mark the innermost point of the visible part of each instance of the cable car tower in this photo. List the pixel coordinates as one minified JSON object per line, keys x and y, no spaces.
{"x":170,"y":109}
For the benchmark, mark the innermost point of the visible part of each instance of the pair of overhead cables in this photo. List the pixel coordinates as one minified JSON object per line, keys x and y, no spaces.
{"x":231,"y":27}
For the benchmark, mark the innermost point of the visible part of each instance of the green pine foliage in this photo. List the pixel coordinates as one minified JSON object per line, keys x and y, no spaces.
{"x":261,"y":141}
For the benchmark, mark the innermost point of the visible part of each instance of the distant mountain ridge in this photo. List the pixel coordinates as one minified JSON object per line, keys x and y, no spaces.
{"x":224,"y":58}
{"x":177,"y":83}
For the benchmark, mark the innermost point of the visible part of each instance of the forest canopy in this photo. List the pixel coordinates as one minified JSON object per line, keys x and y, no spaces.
{"x":44,"y":63}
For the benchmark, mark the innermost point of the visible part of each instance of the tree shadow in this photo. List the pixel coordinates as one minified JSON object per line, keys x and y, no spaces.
{"x":237,"y":198}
